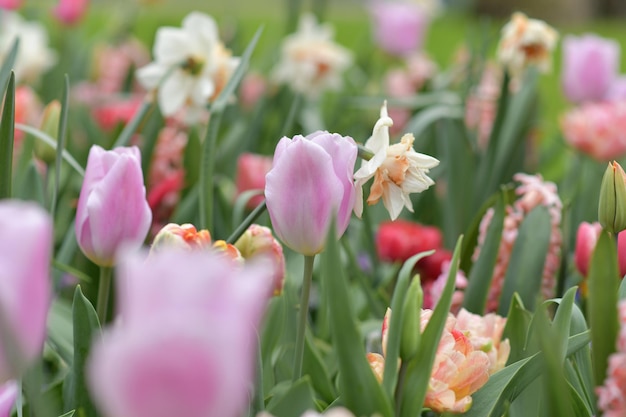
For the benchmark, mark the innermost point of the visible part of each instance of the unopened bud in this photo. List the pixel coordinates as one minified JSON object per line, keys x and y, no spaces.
{"x":182,"y":236}
{"x":49,"y":126}
{"x":411,"y":320}
{"x":612,"y":205}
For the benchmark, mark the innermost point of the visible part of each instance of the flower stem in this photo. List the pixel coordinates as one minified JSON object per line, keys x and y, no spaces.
{"x":246,"y":223}
{"x":304,"y":313}
{"x":259,"y":402}
{"x":104,"y":287}
{"x":207,"y":168}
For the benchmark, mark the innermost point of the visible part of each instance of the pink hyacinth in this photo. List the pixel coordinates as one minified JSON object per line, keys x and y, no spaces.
{"x":532,"y":192}
{"x":597,"y":129}
{"x":612,"y":395}
{"x":186,"y":340}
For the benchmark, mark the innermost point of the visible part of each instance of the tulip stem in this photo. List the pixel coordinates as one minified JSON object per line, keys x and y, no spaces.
{"x":258,"y":210}
{"x":304,"y":313}
{"x":104,"y":287}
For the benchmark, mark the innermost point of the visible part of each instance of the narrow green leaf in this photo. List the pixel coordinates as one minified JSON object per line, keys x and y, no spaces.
{"x":86,"y":328}
{"x":61,"y":138}
{"x":560,"y":327}
{"x":129,"y":130}
{"x":420,"y":122}
{"x":68,"y":414}
{"x":525,"y":270}
{"x":6,"y":139}
{"x":8,"y":63}
{"x":31,"y":187}
{"x":390,"y":374}
{"x":60,"y":330}
{"x":314,"y":367}
{"x":359,"y":388}
{"x":516,"y":328}
{"x":419,"y":368}
{"x":479,"y":280}
{"x":298,"y":399}
{"x":604,"y":283}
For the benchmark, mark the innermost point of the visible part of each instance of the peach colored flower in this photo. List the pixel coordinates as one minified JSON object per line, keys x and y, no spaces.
{"x":526,"y":42}
{"x":187,"y":237}
{"x":377,"y":363}
{"x":398,"y":170}
{"x":532,"y":191}
{"x":597,"y":129}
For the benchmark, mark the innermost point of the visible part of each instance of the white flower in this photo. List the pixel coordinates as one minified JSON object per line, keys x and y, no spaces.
{"x":310,"y":61}
{"x":200,"y":65}
{"x":526,"y":42}
{"x":397,"y":170}
{"x":33,"y":56}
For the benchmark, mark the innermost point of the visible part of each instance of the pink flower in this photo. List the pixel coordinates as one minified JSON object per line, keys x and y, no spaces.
{"x":25,"y":293}
{"x":70,"y":12}
{"x":597,"y":129}
{"x":259,"y":241}
{"x":612,"y":395}
{"x":111,"y":113}
{"x":532,"y":191}
{"x":586,"y":239}
{"x":11,"y":4}
{"x":28,"y":110}
{"x":8,"y":395}
{"x":433,"y":291}
{"x":253,"y":88}
{"x":399,"y":27}
{"x":112,"y":207}
{"x":590,"y":66}
{"x":251,"y":172}
{"x":185,"y":344}
{"x":309,"y":184}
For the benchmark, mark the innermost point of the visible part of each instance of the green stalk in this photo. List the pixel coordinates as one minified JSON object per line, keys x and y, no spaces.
{"x":258,"y":210}
{"x":104,"y":288}
{"x":207,"y":168}
{"x":304,"y":313}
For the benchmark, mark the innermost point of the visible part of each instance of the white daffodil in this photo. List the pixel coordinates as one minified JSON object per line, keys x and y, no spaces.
{"x":199,"y":63}
{"x":310,"y":61}
{"x":33,"y":56}
{"x":397,"y":170}
{"x":526,"y":42}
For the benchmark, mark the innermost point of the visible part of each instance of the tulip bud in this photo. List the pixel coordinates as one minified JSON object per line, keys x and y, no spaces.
{"x":112,"y":207}
{"x":586,"y":239}
{"x":229,"y":250}
{"x":259,"y":241}
{"x":70,"y":12}
{"x":411,"y":320}
{"x":612,"y":206}
{"x":50,"y":126}
{"x":182,"y":236}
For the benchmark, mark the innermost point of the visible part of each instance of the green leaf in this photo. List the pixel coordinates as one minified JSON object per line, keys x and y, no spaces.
{"x":68,"y":414}
{"x":360,"y":391}
{"x":418,"y":370}
{"x":390,"y":374}
{"x":31,"y":187}
{"x":622,"y":289}
{"x":481,"y":275}
{"x":525,"y":270}
{"x":298,"y":398}
{"x":9,"y":62}
{"x":6,"y":139}
{"x":130,"y":129}
{"x":604,"y":281}
{"x":86,"y":329}
{"x":516,"y":329}
{"x":420,"y":122}
{"x":60,"y":330}
{"x":314,"y":367}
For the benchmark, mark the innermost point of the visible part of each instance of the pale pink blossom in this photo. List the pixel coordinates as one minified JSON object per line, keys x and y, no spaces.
{"x":251,"y":171}
{"x":597,"y":129}
{"x":435,"y":289}
{"x":532,"y":192}
{"x":8,"y":395}
{"x":253,"y":88}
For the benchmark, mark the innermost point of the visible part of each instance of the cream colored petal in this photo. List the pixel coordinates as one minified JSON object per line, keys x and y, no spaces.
{"x":150,"y":75}
{"x":171,"y":46}
{"x":393,"y":200}
{"x":174,"y":92}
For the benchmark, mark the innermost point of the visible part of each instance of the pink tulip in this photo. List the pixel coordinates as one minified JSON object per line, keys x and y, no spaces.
{"x":590,"y":66}
{"x":8,"y":395}
{"x":25,"y":293}
{"x":251,"y":172}
{"x":185,"y":344}
{"x":112,"y":208}
{"x":69,"y":12}
{"x":586,"y":239}
{"x":399,"y":27}
{"x":11,"y":4}
{"x":309,"y":184}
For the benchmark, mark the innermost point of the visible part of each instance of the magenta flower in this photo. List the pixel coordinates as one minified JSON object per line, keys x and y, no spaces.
{"x":112,"y":207}
{"x":185,"y":343}
{"x":70,"y":12}
{"x":11,"y":4}
{"x":8,"y":395}
{"x":25,"y":293}
{"x":590,"y":66}
{"x":399,"y":27}
{"x":309,"y":184}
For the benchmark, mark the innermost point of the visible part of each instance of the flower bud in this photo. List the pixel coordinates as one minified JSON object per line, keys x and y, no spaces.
{"x":259,"y":241}
{"x":612,"y":206}
{"x":183,"y":236}
{"x":229,"y":250}
{"x":50,"y":126}
{"x":411,"y":320}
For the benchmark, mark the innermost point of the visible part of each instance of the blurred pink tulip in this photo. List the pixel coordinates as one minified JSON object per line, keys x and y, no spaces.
{"x":590,"y":66}
{"x":399,"y":26}
{"x":25,"y":293}
{"x":185,"y":344}
{"x":251,"y":172}
{"x":586,"y":239}
{"x":11,"y":4}
{"x":597,"y":129}
{"x":309,"y":184}
{"x":8,"y":395}
{"x":28,"y":110}
{"x":112,"y":207}
{"x":70,"y":12}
